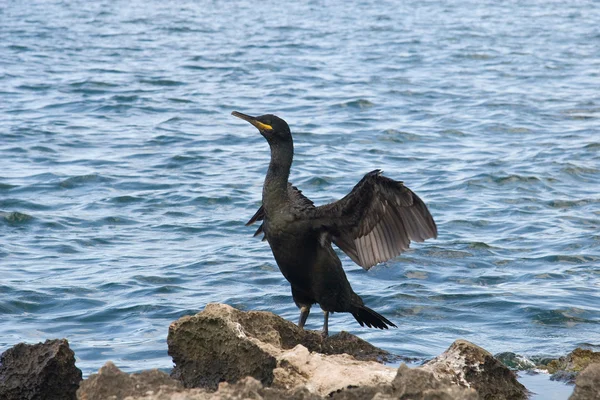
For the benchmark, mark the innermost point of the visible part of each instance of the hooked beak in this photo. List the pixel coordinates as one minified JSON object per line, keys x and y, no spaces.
{"x":259,"y":125}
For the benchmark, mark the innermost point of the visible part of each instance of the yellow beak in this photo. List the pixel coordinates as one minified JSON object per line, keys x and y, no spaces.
{"x":259,"y":125}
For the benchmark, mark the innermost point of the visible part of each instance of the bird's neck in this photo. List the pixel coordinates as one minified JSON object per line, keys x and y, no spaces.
{"x":275,"y":191}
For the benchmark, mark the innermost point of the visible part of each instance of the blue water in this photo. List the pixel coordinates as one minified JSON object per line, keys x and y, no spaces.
{"x":125,"y":182}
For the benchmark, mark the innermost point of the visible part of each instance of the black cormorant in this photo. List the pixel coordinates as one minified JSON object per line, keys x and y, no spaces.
{"x":373,"y":223}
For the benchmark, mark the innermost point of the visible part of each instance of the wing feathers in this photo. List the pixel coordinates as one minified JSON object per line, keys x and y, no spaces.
{"x":258,"y":216}
{"x":377,"y":220}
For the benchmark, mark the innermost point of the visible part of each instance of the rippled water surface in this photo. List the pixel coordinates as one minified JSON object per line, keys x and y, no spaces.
{"x":125,"y":183}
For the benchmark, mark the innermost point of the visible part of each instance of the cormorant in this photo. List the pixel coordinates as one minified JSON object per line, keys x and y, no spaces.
{"x":373,"y":223}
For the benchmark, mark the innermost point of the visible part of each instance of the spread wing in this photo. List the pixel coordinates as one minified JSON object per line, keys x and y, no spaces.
{"x":376,"y":221}
{"x":297,"y":198}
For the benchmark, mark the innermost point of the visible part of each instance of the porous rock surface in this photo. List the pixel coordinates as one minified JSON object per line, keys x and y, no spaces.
{"x":469,"y":365}
{"x":410,"y":383}
{"x":44,"y":371}
{"x":568,"y":367}
{"x":420,"y":384}
{"x":587,"y":384}
{"x":246,"y":388}
{"x":222,"y":343}
{"x":111,"y":383}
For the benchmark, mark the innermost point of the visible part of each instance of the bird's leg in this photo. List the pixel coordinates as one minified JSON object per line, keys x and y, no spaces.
{"x":304,"y":311}
{"x":325,"y":332}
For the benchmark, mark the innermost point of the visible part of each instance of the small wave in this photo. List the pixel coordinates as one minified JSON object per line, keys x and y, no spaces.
{"x":15,"y":217}
{"x":172,"y":119}
{"x":81,"y":180}
{"x":6,"y":186}
{"x":566,"y":259}
{"x":453,"y":132}
{"x":178,"y":100}
{"x":481,"y":180}
{"x":126,"y":199}
{"x":204,"y":200}
{"x":479,"y":245}
{"x":571,"y":203}
{"x":179,"y":161}
{"x":569,"y":317}
{"x":447,"y":254}
{"x":166,"y":139}
{"x":475,"y":56}
{"x":69,"y":105}
{"x":113,"y":220}
{"x":579,"y":170}
{"x":160,"y":280}
{"x":397,"y":136}
{"x":44,"y":149}
{"x":360,"y":103}
{"x":18,"y":48}
{"x":40,"y":87}
{"x":516,"y":178}
{"x":421,"y":275}
{"x":118,"y":108}
{"x":317,"y":182}
{"x":582,"y":113}
{"x":92,"y":83}
{"x":125,"y":98}
{"x":162,"y":82}
{"x":61,"y":249}
{"x":182,"y":228}
{"x":23,"y":204}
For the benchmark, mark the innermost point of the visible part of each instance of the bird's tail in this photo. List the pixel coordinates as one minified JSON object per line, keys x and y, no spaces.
{"x":365,"y":316}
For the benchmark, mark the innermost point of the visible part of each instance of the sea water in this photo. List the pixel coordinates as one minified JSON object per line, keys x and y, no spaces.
{"x":125,"y":182}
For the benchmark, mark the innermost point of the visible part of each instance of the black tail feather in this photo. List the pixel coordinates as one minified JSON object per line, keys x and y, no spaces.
{"x":365,"y":316}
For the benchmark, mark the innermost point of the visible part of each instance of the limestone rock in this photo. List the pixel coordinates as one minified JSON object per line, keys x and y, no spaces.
{"x":421,"y":384}
{"x":515,"y":361}
{"x":324,"y":374}
{"x":587,"y":384}
{"x":566,"y":368}
{"x":212,"y":347}
{"x":41,"y":371}
{"x":111,"y":383}
{"x":381,"y":392}
{"x":409,"y":384}
{"x":247,"y":388}
{"x":222,"y":344}
{"x":470,"y":366}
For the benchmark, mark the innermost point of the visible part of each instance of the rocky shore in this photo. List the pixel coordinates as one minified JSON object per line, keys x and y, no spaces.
{"x":224,"y":353}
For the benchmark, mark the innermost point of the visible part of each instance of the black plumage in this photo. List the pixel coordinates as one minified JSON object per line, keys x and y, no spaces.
{"x":375,"y":222}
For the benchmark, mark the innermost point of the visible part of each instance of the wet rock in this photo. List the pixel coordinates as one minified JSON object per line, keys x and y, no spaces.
{"x":468,"y":365}
{"x":40,"y":371}
{"x":111,"y":382}
{"x":222,"y":344}
{"x":515,"y":361}
{"x":564,"y":376}
{"x":566,"y":368}
{"x":587,"y":384}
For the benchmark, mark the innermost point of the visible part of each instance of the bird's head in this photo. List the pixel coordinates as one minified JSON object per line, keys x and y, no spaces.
{"x":273,"y":128}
